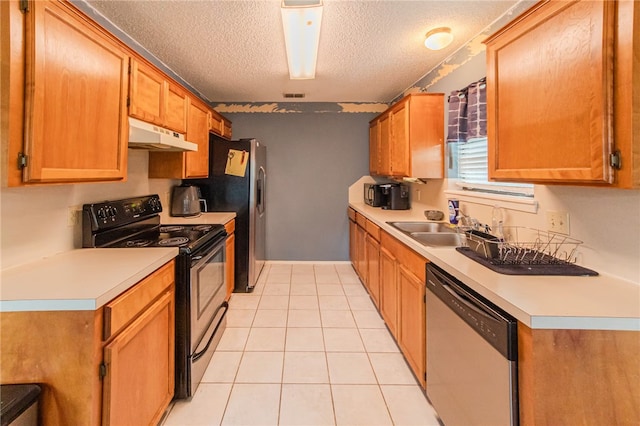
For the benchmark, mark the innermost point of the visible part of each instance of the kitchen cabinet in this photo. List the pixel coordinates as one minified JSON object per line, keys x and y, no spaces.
{"x":351,"y":213}
{"x":220,"y":125}
{"x":544,"y":124}
{"x":374,"y":148}
{"x":372,"y":244}
{"x":230,"y":257}
{"x":388,"y":288}
{"x":155,"y":99}
{"x":410,"y":142}
{"x":403,"y":277}
{"x":113,"y":365}
{"x":361,"y":249}
{"x":412,"y":334}
{"x":59,"y":63}
{"x":186,"y":165}
{"x":141,"y":355}
{"x":578,"y":376}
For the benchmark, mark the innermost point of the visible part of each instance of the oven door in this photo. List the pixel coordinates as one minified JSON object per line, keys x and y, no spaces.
{"x":208,"y":310}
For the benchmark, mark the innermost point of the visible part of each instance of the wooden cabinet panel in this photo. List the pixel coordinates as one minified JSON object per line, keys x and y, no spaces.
{"x":70,"y":64}
{"x":227,"y":131}
{"x":352,"y":236}
{"x":389,"y":289}
{"x":400,"y":143}
{"x":197,"y":163}
{"x":412,"y":334}
{"x":361,"y":255}
{"x":411,"y":137}
{"x":374,"y":148}
{"x":373,"y":268}
{"x":155,"y":99}
{"x":175,"y":106}
{"x":139,"y":383}
{"x":384,"y":149}
{"x":147,"y":92}
{"x":216,"y":125}
{"x":589,"y":377}
{"x":545,"y":124}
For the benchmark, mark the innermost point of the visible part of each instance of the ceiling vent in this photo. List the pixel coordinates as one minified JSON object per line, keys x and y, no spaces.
{"x":293,"y":95}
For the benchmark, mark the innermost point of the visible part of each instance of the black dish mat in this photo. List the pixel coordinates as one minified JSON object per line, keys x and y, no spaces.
{"x":567,"y":269}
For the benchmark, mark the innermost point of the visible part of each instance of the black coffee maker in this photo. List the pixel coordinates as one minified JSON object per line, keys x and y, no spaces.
{"x":395,"y":196}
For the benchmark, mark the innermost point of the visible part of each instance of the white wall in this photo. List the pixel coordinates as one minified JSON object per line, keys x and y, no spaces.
{"x":33,"y":220}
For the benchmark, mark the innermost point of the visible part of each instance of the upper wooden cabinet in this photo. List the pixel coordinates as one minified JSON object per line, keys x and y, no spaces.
{"x":155,"y":99}
{"x":75,"y":94}
{"x":408,"y":139}
{"x":220,"y":125}
{"x":186,"y":165}
{"x":563,"y":96}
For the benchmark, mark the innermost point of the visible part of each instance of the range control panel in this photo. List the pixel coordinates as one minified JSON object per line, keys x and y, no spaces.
{"x":111,"y":214}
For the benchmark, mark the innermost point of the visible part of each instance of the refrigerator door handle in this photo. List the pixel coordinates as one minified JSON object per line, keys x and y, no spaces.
{"x":261,"y":185}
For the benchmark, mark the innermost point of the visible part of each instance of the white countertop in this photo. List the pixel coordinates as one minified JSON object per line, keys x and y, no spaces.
{"x":78,"y":280}
{"x":211,"y":218}
{"x":547,"y":302}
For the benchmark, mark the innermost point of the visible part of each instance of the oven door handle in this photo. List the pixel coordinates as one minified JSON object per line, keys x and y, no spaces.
{"x":199,"y":354}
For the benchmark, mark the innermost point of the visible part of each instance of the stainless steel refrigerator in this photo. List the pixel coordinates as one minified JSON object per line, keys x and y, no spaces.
{"x":237,"y":183}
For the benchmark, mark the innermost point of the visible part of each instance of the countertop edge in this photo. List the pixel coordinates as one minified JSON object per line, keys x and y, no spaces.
{"x":531,"y":320}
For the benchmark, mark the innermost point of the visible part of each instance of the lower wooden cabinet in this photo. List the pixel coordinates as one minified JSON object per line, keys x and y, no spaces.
{"x":231,"y":257}
{"x":111,"y":366}
{"x":411,"y":335}
{"x":389,"y":289}
{"x":373,"y":268}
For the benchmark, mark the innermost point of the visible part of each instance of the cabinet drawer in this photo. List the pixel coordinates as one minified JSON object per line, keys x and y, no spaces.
{"x":123,"y":309}
{"x":361,"y":220}
{"x":405,"y":256}
{"x":230,"y":226}
{"x":351,"y":213}
{"x":373,"y":230}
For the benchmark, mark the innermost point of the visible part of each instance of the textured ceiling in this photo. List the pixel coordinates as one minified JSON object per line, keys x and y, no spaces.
{"x":233,"y":50}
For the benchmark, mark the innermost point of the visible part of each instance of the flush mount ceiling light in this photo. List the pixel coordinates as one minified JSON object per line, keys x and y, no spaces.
{"x":301,"y":21}
{"x":438,"y":38}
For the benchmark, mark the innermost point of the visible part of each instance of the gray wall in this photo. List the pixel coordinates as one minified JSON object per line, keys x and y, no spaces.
{"x":312,"y":158}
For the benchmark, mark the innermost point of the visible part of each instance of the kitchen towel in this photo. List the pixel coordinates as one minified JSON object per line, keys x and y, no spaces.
{"x":457,"y":126}
{"x":477,"y":110}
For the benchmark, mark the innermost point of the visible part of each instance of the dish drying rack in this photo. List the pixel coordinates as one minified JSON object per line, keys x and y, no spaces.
{"x":523,"y":246}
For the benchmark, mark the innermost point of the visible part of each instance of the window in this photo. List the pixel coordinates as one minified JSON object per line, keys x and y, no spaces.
{"x":473,"y":171}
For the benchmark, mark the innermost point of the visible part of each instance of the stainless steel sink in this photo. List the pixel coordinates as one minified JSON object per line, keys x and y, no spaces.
{"x":409,"y":227}
{"x":432,"y":234}
{"x":438,"y":239}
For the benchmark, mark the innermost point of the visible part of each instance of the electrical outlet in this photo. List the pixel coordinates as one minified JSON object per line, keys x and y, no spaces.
{"x":74,"y":214}
{"x":558,"y":221}
{"x":418,"y":194}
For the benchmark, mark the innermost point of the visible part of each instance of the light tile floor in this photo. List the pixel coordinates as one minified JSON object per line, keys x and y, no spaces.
{"x":307,"y":347}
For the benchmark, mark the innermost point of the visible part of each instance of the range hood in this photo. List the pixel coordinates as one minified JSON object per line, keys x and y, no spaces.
{"x":148,"y":136}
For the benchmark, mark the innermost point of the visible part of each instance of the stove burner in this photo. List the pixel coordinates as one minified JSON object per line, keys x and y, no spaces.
{"x":139,"y":243}
{"x":173,"y":228}
{"x":203,"y":228}
{"x":173,"y":242}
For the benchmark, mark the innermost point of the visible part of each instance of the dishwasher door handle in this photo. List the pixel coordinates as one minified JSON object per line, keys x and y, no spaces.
{"x":460,"y":298}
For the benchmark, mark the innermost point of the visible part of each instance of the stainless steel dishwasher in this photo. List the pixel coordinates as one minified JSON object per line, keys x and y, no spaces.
{"x":471,"y":355}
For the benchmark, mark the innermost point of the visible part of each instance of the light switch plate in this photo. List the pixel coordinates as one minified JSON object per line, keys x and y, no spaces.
{"x":558,"y":221}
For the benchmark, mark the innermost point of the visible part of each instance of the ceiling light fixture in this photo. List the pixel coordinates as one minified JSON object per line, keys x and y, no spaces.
{"x":438,"y":38}
{"x":301,"y":21}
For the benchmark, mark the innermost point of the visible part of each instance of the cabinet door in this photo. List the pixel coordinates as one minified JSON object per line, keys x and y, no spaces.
{"x":216,"y":125}
{"x":352,"y":243}
{"x":361,"y":253}
{"x":389,"y":290}
{"x":197,"y":163}
{"x":176,"y":104}
{"x":550,"y":94}
{"x":412,"y":321}
{"x":373,"y":268}
{"x":400,"y":147}
{"x":75,"y":99}
{"x":139,"y":383}
{"x":226,"y":129}
{"x":374,"y":148}
{"x":385,"y":146}
{"x":147,"y":88}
